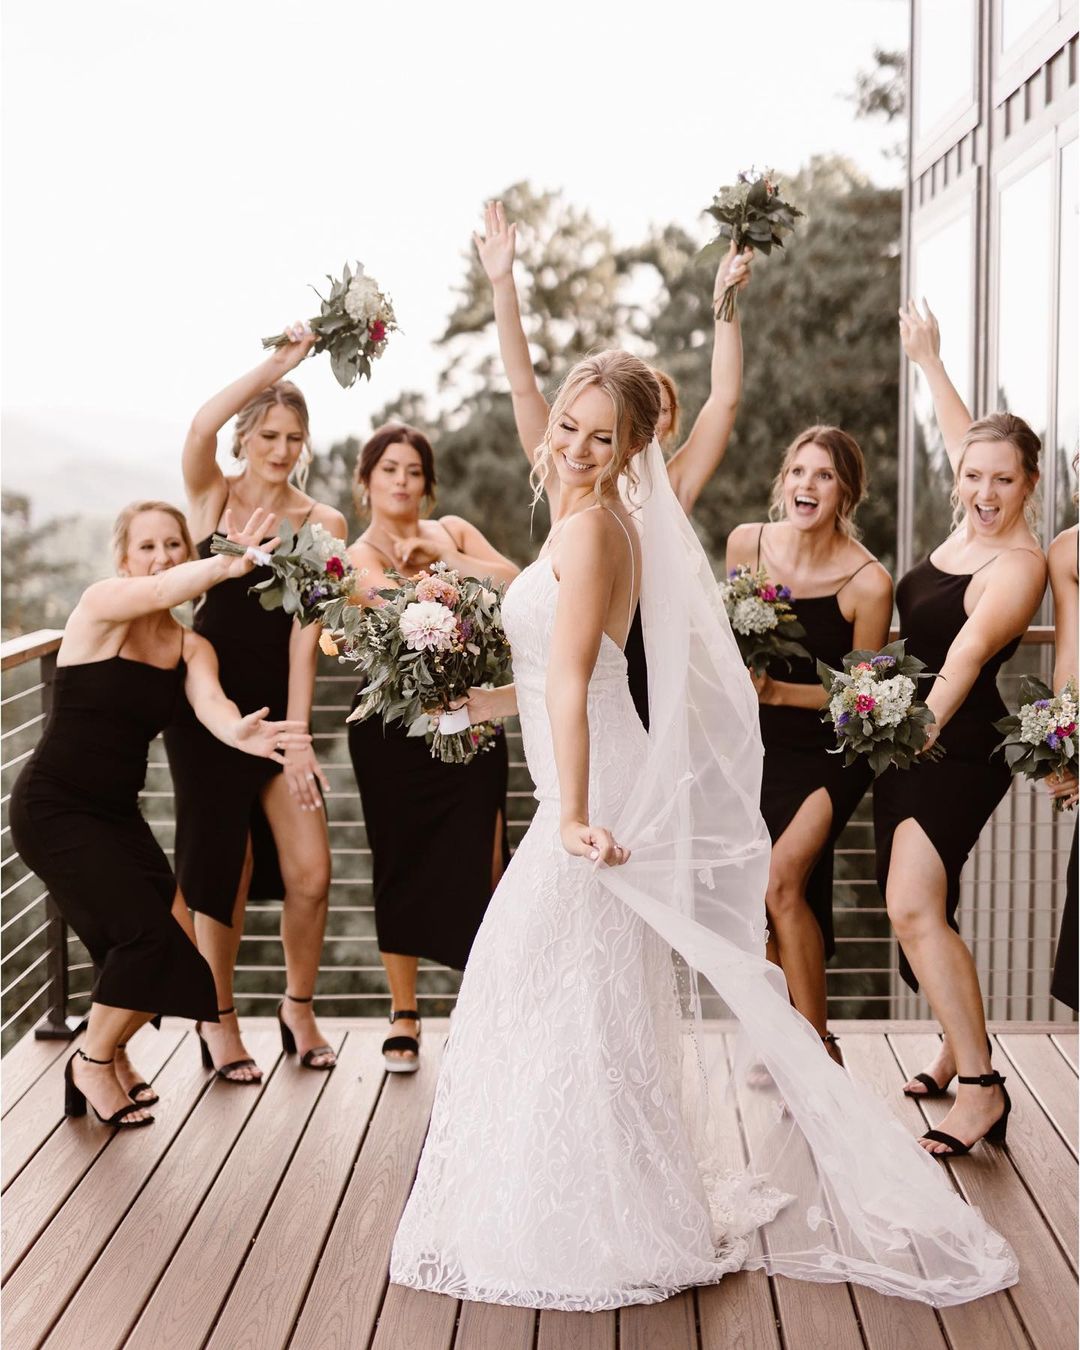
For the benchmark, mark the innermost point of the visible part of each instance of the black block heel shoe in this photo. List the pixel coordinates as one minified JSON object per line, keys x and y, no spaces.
{"x":994,"y":1135}
{"x":75,"y":1100}
{"x":288,"y":1041}
{"x":393,"y":1064}
{"x":136,"y":1088}
{"x":226,"y":1069}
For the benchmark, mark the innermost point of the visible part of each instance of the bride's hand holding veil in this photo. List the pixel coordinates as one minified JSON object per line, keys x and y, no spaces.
{"x":592,"y":842}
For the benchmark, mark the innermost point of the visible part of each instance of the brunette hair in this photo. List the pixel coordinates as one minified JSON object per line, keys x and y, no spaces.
{"x":377,"y":444}
{"x":848,"y":463}
{"x":284,"y":394}
{"x":999,"y":427}
{"x":634,"y":391}
{"x":669,"y":387}
{"x":122,"y":527}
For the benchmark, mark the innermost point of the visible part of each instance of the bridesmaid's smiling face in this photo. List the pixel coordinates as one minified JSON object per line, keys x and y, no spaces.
{"x":154,"y":544}
{"x":397,"y":484}
{"x":273,"y":447}
{"x":811,"y":489}
{"x":992,"y":487}
{"x":582,"y":438}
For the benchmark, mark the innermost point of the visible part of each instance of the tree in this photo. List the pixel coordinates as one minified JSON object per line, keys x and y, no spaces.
{"x":38,"y":586}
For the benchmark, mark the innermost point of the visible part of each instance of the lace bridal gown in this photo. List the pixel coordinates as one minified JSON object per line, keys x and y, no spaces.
{"x":569,"y":1162}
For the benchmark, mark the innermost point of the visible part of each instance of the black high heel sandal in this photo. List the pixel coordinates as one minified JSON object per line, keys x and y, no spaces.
{"x":226,"y":1069}
{"x":136,"y":1088}
{"x":412,"y":1043}
{"x":994,"y":1135}
{"x":75,"y":1100}
{"x":933,"y":1087}
{"x":830,"y":1039}
{"x":288,"y":1040}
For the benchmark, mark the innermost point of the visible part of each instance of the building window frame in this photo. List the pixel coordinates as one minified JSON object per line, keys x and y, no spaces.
{"x":928,"y":144}
{"x":1035,"y":46}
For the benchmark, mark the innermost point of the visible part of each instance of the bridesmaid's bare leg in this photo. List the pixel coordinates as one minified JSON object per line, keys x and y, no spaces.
{"x":401,"y":976}
{"x":498,"y":861}
{"x":105,"y":1026}
{"x":126,"y":1073}
{"x":220,"y":945}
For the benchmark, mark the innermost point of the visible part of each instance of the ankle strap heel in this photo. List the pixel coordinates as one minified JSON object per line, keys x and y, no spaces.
{"x":995,"y":1134}
{"x":319,"y":1056}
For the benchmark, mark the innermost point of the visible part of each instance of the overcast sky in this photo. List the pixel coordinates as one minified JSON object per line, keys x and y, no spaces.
{"x":175,"y":175}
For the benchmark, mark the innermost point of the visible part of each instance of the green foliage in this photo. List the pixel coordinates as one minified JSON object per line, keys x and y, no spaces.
{"x":38,"y":586}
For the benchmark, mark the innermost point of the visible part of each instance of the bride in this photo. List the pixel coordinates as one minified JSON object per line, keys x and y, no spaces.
{"x":582,"y":1152}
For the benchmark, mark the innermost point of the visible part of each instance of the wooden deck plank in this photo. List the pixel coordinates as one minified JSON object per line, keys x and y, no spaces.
{"x":104,"y":1307}
{"x":1055,"y":1089}
{"x":1069,"y":1045}
{"x":737,"y":1313}
{"x":26,"y":1061}
{"x":39,"y":1290}
{"x":184,"y":1305}
{"x":670,"y":1324}
{"x":32,"y":1119}
{"x":342,"y":1304}
{"x":414,"y":1318}
{"x":54,"y":1171}
{"x":1045,"y":1296}
{"x":489,"y":1326}
{"x":265,"y":1301}
{"x":576,"y":1331}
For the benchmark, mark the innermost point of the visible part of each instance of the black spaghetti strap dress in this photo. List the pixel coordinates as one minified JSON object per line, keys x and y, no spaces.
{"x":218,"y":789}
{"x":952,"y":798}
{"x":1063,"y":985}
{"x":75,"y":821}
{"x":797,"y":744}
{"x":431,"y":828}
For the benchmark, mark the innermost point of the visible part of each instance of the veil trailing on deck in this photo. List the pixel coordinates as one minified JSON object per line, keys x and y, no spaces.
{"x":868,"y":1204}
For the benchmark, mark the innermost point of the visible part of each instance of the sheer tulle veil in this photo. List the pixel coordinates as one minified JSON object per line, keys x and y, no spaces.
{"x":867,"y":1203}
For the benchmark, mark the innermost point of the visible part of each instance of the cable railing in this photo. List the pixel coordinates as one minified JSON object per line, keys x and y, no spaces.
{"x":1013,"y":887}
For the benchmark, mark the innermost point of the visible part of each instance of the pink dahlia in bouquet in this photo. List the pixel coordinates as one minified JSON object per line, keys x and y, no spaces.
{"x":761,"y":617}
{"x":310,"y":568}
{"x":873,"y":708}
{"x":420,"y":646}
{"x":1040,"y":737}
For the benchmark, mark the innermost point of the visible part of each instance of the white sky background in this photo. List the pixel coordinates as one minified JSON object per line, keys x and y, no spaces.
{"x":174,"y":175}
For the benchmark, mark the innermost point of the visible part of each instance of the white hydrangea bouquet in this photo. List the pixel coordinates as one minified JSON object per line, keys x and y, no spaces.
{"x":762,"y":619}
{"x":309,"y":568}
{"x":420,"y":646}
{"x":873,"y":708}
{"x":353,"y":325}
{"x":1040,"y":737}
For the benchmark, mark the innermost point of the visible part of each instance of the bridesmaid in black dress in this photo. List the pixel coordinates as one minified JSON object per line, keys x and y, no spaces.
{"x":123,"y":667}
{"x":1063,"y":584}
{"x":268,"y":839}
{"x":690,"y":466}
{"x":963,"y":610}
{"x":437,"y":832}
{"x":843,"y":598}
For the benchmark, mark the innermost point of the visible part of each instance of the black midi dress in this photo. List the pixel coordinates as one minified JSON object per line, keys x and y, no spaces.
{"x":952,"y":798}
{"x":218,"y":789}
{"x":798,"y":743}
{"x":75,"y":821}
{"x":1064,"y":983}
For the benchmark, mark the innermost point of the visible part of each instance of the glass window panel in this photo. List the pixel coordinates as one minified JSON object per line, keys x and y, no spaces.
{"x":1017,"y":16}
{"x":1023,"y":284}
{"x":945,"y":61}
{"x":1068,"y":429}
{"x":942,"y":275}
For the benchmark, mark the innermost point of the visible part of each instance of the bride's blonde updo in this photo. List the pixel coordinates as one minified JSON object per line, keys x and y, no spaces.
{"x":635,"y":395}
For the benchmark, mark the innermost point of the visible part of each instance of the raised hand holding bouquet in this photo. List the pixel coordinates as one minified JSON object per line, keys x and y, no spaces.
{"x":420,"y":647}
{"x":309,"y":570}
{"x":751,"y":214}
{"x":1040,"y":737}
{"x":352,"y":326}
{"x":873,"y":708}
{"x":762,"y":620}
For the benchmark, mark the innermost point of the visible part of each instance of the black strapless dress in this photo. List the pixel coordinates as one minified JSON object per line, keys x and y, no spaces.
{"x":75,"y":821}
{"x":952,"y":798}
{"x":217,"y":788}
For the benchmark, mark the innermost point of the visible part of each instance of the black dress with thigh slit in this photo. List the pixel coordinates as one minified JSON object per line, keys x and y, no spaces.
{"x":798,"y":744}
{"x":1063,"y":986}
{"x":218,"y":789}
{"x":952,"y":798}
{"x":75,"y":821}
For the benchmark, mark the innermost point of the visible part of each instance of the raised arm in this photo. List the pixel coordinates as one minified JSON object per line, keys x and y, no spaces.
{"x":921,"y":340}
{"x":1063,"y":587}
{"x":697,"y":459}
{"x":1003,"y":611}
{"x":203,"y":480}
{"x":496,"y":248}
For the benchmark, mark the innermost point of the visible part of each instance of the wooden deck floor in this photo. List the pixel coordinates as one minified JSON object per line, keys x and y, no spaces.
{"x":259,"y":1218}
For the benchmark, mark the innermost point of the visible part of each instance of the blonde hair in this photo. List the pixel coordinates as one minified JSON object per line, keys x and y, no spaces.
{"x":284,"y":394}
{"x":121,"y":532}
{"x":999,"y":427}
{"x":669,"y":387}
{"x":635,"y":395}
{"x":848,"y":463}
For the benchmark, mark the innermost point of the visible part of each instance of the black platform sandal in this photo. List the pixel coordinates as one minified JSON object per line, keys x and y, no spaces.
{"x":931,"y":1084}
{"x":226,"y":1069}
{"x":994,"y":1135}
{"x":288,"y":1040}
{"x":136,"y":1088}
{"x":394,"y":1065}
{"x":830,"y":1039}
{"x":75,"y":1100}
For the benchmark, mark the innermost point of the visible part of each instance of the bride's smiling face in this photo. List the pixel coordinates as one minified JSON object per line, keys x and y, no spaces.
{"x":582,"y":438}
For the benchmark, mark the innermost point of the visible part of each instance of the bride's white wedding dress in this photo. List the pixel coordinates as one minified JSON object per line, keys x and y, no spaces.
{"x":569,"y":1162}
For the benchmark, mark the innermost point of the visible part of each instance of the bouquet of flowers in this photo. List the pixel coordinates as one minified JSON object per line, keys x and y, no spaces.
{"x":1040,"y":737}
{"x":751,"y":213}
{"x":421,"y":646}
{"x":872,"y":706}
{"x":352,"y":325}
{"x":309,"y":569}
{"x":762,"y":620}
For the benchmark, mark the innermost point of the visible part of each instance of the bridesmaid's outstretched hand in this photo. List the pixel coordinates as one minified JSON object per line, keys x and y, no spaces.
{"x":256,"y":736}
{"x":250,"y":537}
{"x":919,"y":334}
{"x":497,"y":245}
